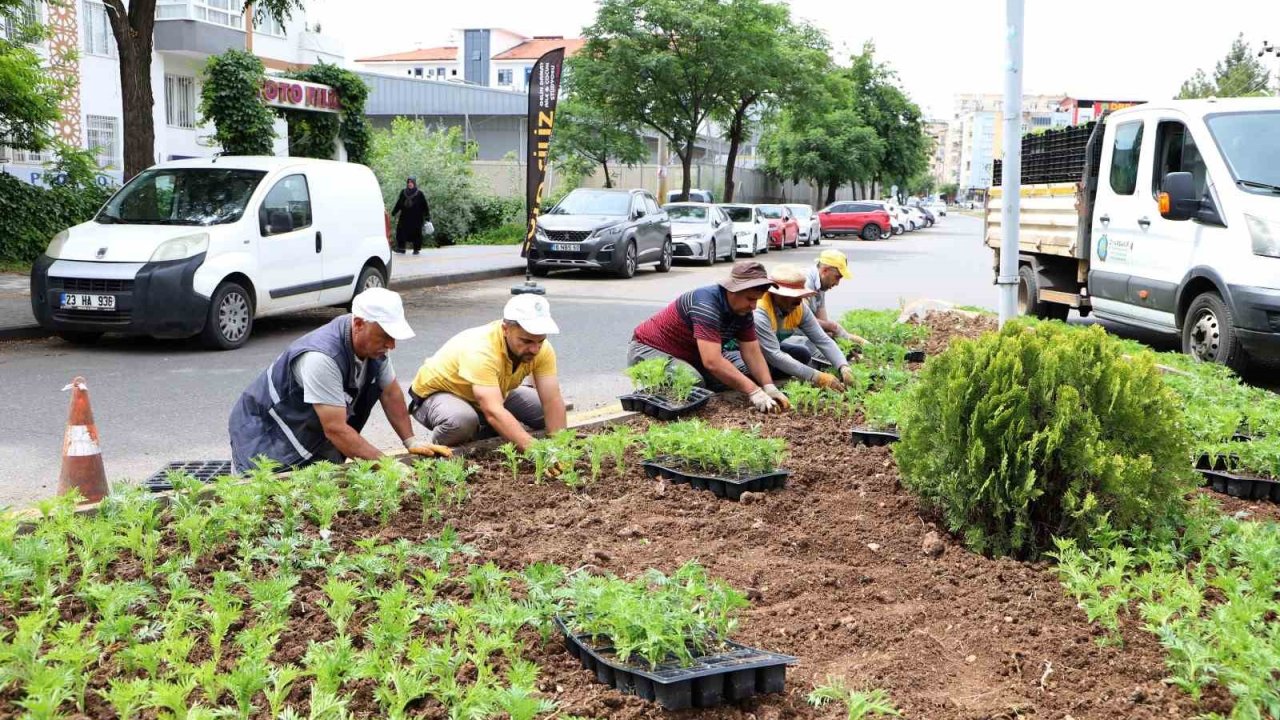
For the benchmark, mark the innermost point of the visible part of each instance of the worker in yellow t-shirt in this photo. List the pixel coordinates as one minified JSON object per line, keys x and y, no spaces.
{"x":474,"y":383}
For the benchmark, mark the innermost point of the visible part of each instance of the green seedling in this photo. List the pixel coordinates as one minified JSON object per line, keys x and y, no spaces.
{"x":661,"y":377}
{"x":874,"y":703}
{"x":513,"y":457}
{"x":341,"y":601}
{"x":128,"y":697}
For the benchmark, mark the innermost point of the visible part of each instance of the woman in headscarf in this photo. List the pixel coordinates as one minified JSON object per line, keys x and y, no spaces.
{"x":413,"y":210}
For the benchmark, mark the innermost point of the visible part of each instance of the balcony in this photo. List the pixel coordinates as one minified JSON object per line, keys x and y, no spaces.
{"x":199,"y":27}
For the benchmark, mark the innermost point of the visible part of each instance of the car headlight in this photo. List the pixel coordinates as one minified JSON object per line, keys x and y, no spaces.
{"x":539,"y":233}
{"x":1266,"y":235}
{"x":610,"y":233}
{"x":181,"y":248}
{"x":56,"y":244}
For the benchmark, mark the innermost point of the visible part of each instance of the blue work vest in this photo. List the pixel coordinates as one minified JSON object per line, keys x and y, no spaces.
{"x":272,"y":419}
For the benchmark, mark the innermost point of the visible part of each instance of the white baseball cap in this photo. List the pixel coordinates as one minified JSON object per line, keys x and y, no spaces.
{"x":531,"y":312}
{"x":384,"y":307}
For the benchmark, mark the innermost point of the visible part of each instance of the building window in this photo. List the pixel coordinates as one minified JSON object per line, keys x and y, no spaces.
{"x":102,"y":138}
{"x":180,"y":101}
{"x":417,"y":72}
{"x":25,"y":17}
{"x":269,"y":26}
{"x":440,"y":73}
{"x":504,"y":78}
{"x":97,"y":30}
{"x":228,"y":13}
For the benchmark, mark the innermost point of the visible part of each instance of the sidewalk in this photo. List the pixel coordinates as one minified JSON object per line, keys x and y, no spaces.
{"x":436,"y":266}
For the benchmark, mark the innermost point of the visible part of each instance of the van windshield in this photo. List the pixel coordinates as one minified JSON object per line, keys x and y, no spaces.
{"x":1250,"y":143}
{"x":182,"y":196}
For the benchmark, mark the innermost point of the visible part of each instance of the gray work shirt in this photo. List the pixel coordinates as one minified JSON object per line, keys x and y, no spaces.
{"x":813,"y":281}
{"x":321,"y":380}
{"x":809,"y":327}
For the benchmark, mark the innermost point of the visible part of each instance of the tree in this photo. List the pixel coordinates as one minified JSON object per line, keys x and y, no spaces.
{"x":663,"y":63}
{"x":1239,"y":74}
{"x":29,"y":96}
{"x":242,"y":124}
{"x":134,"y":30}
{"x":896,"y":120}
{"x":948,"y":191}
{"x":586,"y":137}
{"x":773,"y":59}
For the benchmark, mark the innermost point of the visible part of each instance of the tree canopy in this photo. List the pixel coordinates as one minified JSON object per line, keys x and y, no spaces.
{"x":1239,"y":74}
{"x":585,"y":137}
{"x":29,"y":96}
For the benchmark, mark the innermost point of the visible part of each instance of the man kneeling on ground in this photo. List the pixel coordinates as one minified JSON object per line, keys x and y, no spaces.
{"x":474,"y":382}
{"x":783,"y":314}
{"x":694,"y":329}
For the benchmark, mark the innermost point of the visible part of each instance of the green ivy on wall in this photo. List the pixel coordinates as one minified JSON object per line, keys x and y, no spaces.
{"x":243,"y":124}
{"x":230,"y":98}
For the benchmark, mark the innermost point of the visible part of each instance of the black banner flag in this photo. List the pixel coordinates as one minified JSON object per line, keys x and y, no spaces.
{"x":544,"y":90}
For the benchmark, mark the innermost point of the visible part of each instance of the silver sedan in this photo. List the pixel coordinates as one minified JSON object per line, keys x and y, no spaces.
{"x":702,"y":232}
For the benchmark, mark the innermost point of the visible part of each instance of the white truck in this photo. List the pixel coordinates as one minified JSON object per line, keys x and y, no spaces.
{"x":1164,"y":216}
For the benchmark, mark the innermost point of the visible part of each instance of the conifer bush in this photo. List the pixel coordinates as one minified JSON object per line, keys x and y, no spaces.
{"x":1040,"y":432}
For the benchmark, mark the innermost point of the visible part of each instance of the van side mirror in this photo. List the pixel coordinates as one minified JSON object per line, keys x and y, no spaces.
{"x":1177,"y":197}
{"x":278,"y":221}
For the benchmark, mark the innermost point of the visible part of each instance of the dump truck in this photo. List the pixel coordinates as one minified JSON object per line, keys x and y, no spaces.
{"x":1164,"y":216}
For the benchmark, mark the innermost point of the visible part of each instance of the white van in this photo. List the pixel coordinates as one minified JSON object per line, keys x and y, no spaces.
{"x":204,"y":246}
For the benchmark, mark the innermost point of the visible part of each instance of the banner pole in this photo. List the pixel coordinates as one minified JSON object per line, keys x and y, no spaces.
{"x":544,"y":92}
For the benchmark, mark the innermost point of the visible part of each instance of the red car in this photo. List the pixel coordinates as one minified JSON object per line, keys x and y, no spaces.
{"x":784,"y":231}
{"x":868,"y":220}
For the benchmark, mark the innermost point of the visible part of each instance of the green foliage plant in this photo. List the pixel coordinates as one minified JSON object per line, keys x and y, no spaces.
{"x":230,"y":99}
{"x":1040,"y":432}
{"x":701,"y":447}
{"x":860,"y":705}
{"x":661,"y":377}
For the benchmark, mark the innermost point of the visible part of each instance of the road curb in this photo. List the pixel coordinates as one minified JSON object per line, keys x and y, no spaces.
{"x":35,"y":332}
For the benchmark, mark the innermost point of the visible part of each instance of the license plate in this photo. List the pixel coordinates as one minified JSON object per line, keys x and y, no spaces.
{"x":81,"y":301}
{"x":564,"y":247}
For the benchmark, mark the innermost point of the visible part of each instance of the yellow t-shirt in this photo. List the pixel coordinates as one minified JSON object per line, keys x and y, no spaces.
{"x":478,"y":356}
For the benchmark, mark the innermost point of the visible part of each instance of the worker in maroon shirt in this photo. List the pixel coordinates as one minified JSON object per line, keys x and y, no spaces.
{"x":696,"y":327}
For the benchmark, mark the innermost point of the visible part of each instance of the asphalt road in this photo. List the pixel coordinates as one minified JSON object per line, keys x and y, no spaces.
{"x":155,"y":401}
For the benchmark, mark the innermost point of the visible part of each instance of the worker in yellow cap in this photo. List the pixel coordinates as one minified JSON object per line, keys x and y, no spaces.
{"x":830,"y":268}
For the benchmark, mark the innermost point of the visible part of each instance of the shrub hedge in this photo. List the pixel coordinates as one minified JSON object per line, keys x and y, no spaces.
{"x":30,"y":216}
{"x":1042,"y":431}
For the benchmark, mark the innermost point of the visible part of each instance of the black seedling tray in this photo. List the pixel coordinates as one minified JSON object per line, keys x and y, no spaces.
{"x":662,"y":408}
{"x":725,"y":487}
{"x":915,"y":356}
{"x":202,"y":470}
{"x":874,"y":438}
{"x":1243,"y":487}
{"x":731,"y":676}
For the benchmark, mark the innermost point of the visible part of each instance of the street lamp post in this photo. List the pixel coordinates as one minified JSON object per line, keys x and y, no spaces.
{"x":1011,"y":178}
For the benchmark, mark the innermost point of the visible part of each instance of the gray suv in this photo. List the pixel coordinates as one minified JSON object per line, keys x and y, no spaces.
{"x":612,"y":230}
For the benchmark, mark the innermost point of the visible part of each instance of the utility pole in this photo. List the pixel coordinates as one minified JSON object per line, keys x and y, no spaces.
{"x":1011,"y":180}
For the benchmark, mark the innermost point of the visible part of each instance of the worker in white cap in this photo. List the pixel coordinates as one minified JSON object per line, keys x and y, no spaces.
{"x":313,"y":401}
{"x":474,"y":385}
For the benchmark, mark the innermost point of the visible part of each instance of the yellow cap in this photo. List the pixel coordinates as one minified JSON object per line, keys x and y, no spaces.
{"x":837,"y":260}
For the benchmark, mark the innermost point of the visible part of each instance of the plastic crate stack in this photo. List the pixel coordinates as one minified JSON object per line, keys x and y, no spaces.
{"x":1056,"y":156}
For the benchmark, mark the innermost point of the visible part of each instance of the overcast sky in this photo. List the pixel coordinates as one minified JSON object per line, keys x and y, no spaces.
{"x":1097,"y":49}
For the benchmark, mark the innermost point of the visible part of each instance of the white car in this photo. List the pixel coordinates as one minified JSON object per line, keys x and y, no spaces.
{"x":750,"y":230}
{"x":205,"y":246}
{"x":897,"y":216}
{"x":914,"y":218}
{"x":810,"y":227}
{"x":937,"y":207}
{"x":702,"y":232}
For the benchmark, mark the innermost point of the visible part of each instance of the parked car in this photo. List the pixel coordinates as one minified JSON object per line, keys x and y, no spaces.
{"x":695,"y":195}
{"x":937,"y":207}
{"x":915,"y":218}
{"x":701,"y":232}
{"x":784,"y":231}
{"x":206,"y":246}
{"x":929,"y":217}
{"x":612,"y":230}
{"x":867,"y":220}
{"x":750,"y":229}
{"x":807,"y":220}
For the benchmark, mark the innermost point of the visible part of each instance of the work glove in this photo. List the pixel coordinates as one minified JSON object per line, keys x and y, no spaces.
{"x":827,"y":381}
{"x":761,"y":401}
{"x":778,"y":396}
{"x":418,"y":446}
{"x":846,"y":374}
{"x":555,"y":471}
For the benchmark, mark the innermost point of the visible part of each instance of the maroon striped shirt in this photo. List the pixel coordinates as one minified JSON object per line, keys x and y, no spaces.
{"x":701,"y":314}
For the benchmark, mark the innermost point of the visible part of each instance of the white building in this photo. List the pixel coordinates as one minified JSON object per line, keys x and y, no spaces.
{"x":187,"y":33}
{"x":976,"y":134}
{"x":487,"y":57}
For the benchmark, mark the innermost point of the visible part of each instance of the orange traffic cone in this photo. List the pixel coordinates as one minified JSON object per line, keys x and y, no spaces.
{"x":81,"y":457}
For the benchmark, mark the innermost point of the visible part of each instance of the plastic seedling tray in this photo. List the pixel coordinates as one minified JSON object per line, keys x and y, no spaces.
{"x":874,"y":438}
{"x":1243,"y":487}
{"x":915,"y":356}
{"x":662,"y":408}
{"x":731,"y":676}
{"x":725,"y":487}
{"x":202,"y":470}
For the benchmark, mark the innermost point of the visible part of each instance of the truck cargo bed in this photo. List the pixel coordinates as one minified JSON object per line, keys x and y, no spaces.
{"x":1049,"y":223}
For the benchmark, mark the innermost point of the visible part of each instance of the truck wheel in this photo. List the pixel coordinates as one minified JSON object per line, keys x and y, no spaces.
{"x":230,"y":318}
{"x":1029,"y":294}
{"x":1209,"y":333}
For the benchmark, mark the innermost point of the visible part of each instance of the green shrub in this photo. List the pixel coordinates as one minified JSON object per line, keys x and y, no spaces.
{"x":1043,"y":431}
{"x":494,"y":213}
{"x":30,"y":216}
{"x":509,"y":234}
{"x":440,"y":160}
